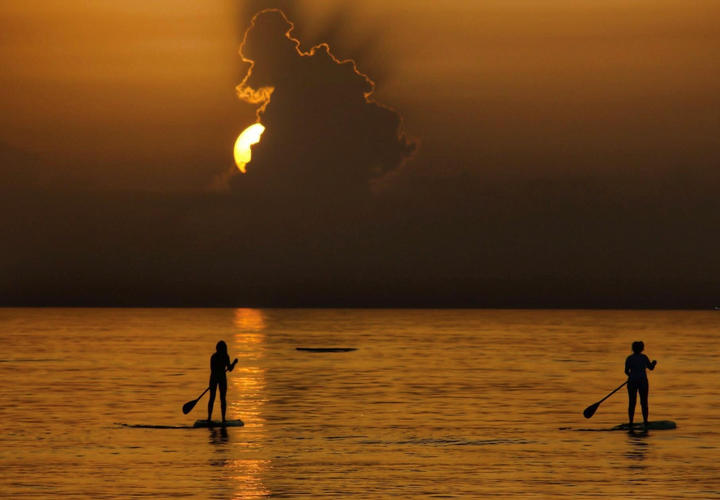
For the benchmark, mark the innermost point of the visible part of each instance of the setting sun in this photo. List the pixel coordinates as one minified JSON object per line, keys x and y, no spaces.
{"x":245,"y":140}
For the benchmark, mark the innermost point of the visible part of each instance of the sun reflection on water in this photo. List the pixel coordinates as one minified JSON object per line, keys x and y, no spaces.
{"x":249,"y":387}
{"x":249,"y":320}
{"x":248,"y":475}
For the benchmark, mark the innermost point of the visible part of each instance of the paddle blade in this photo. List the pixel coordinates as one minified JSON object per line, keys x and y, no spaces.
{"x":590,"y":410}
{"x":187,"y":407}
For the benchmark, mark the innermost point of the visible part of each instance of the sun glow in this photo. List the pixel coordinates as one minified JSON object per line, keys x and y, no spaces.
{"x":245,"y":140}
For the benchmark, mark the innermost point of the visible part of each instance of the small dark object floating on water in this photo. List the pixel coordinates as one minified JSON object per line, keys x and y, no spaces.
{"x":326,"y":349}
{"x":216,"y":423}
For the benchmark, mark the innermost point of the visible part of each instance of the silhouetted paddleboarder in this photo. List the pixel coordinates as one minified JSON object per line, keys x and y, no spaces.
{"x":219,"y":362}
{"x":635,"y":366}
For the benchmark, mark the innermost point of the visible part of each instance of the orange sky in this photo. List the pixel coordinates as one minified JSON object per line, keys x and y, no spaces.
{"x":140,"y":94}
{"x":114,"y":92}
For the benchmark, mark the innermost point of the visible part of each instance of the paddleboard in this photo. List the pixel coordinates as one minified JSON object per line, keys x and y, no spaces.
{"x":658,"y":425}
{"x":217,"y":423}
{"x":326,"y":349}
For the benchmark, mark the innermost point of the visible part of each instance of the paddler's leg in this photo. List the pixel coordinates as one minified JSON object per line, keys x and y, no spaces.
{"x":632,"y":399}
{"x":211,"y":401}
{"x":644,"y":390}
{"x":223,"y":402}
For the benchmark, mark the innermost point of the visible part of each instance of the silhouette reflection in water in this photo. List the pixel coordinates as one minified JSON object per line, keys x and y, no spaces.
{"x":218,"y":435}
{"x":638,"y":448}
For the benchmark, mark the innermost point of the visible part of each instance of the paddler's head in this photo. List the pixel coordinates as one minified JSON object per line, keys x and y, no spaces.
{"x":221,"y":347}
{"x":638,"y":346}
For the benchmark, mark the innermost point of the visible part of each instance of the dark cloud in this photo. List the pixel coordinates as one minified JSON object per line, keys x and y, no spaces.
{"x":324,"y":132}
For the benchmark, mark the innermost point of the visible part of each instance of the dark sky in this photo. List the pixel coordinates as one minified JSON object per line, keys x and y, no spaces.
{"x":491,"y":154}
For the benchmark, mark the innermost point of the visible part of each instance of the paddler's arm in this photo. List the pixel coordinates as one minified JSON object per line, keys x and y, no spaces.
{"x":649,"y":364}
{"x":231,"y":365}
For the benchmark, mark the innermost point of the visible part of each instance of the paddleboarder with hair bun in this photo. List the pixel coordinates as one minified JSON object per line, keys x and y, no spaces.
{"x":635,"y":366}
{"x":219,"y":362}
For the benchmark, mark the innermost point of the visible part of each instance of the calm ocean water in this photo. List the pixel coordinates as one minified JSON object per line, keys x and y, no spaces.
{"x":434,"y":403}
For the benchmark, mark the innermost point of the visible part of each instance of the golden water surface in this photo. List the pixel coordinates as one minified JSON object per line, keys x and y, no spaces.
{"x":434,"y":403}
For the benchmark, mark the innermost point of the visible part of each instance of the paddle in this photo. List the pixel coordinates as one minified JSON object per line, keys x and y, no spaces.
{"x":590,"y":410}
{"x":187,"y":407}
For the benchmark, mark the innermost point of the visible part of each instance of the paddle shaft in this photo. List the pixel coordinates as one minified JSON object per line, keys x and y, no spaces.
{"x":201,"y":395}
{"x":613,"y":392}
